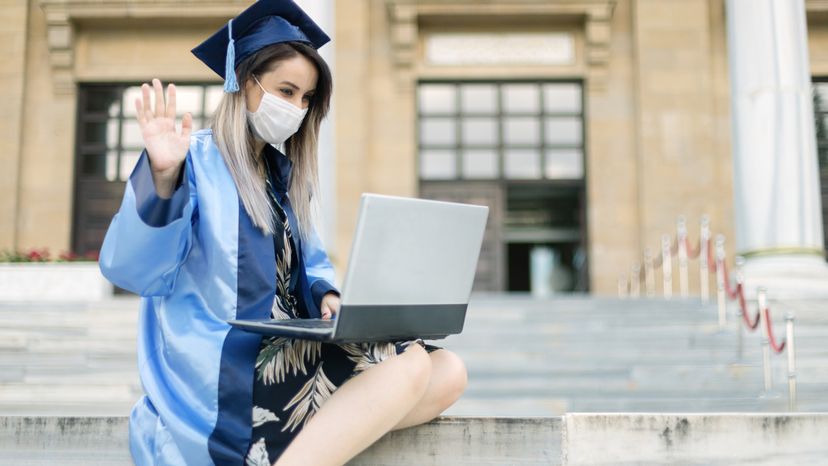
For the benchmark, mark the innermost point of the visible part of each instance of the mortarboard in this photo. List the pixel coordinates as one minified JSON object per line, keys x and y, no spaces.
{"x":264,"y":23}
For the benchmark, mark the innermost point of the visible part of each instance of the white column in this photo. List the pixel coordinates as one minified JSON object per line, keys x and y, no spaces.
{"x":324,"y":14}
{"x":777,"y":200}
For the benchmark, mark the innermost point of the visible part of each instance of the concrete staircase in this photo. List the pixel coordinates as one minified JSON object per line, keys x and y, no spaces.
{"x":525,"y":357}
{"x":584,"y":354}
{"x":73,"y":359}
{"x":68,"y":379}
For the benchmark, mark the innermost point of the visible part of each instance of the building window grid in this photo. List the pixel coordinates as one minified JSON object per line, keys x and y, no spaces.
{"x":98,"y":146}
{"x":821,"y":119}
{"x":459,"y":115}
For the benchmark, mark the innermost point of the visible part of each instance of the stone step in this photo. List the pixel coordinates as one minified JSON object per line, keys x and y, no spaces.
{"x":573,"y":439}
{"x":578,"y":352}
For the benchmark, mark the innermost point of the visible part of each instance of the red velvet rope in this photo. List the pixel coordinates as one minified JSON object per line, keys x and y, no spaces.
{"x":777,"y":348}
{"x":744,"y":311}
{"x":732,"y":293}
{"x":739,"y":292}
{"x":691,"y":252}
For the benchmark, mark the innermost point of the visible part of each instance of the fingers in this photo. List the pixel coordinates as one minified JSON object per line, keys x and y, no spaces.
{"x":145,"y":93}
{"x":171,"y":100}
{"x":160,"y":108}
{"x":144,"y":108}
{"x":325,"y":311}
{"x":139,"y":112}
{"x":187,"y":126}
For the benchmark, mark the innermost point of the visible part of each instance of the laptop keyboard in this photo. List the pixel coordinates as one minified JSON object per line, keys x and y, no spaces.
{"x":306,"y":323}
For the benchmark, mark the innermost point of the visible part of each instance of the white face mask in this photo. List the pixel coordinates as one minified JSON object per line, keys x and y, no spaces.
{"x":276,"y":119}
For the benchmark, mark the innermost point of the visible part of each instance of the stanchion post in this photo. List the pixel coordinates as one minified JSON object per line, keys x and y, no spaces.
{"x":667,"y":266}
{"x":684,"y":282}
{"x":763,"y":324}
{"x":635,"y":281}
{"x":649,"y":273}
{"x":622,"y":287}
{"x":740,"y":272}
{"x":720,"y":281}
{"x":740,"y":279}
{"x":704,"y":267}
{"x":789,"y":346}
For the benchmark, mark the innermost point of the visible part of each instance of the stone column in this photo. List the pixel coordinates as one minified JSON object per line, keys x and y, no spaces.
{"x":323,"y":13}
{"x":777,"y":203}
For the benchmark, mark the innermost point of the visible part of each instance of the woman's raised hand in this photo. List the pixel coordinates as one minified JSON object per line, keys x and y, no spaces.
{"x":166,"y":147}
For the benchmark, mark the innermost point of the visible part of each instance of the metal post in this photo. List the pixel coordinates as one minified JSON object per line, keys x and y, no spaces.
{"x":761,"y":293}
{"x":704,"y":267}
{"x":741,"y":341}
{"x":684,"y":282}
{"x":635,"y":281}
{"x":667,"y":266}
{"x":720,"y":281}
{"x":740,"y":280}
{"x":789,"y":347}
{"x":649,"y":273}
{"x":740,"y":272}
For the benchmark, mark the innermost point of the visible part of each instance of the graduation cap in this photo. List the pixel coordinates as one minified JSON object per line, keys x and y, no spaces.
{"x":264,"y":23}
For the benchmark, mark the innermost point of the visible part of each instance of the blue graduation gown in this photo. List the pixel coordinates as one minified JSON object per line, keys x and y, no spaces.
{"x":197,"y":260}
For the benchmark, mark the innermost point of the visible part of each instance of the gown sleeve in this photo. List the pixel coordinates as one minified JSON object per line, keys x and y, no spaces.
{"x":149,"y":237}
{"x":318,"y":268}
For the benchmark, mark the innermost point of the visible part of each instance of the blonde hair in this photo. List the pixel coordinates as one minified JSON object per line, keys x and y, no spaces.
{"x":236,"y":142}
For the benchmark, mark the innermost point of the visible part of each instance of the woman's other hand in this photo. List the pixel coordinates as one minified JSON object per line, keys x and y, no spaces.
{"x":330,"y":305}
{"x":166,"y":147}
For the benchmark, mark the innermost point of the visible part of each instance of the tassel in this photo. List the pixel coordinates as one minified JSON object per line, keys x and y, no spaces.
{"x":230,"y":84}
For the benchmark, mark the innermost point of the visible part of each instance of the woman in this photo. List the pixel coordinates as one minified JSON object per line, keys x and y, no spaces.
{"x":217,"y":225}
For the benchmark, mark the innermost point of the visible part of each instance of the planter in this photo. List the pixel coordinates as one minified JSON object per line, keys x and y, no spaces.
{"x":53,"y":281}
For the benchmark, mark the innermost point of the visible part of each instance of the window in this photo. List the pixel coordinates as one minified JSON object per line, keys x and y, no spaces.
{"x":109,"y":137}
{"x":108,"y":145}
{"x":820,"y":96}
{"x":500,"y":130}
{"x":820,"y":99}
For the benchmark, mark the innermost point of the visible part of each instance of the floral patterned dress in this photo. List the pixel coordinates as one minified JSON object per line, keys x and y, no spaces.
{"x":293,"y":377}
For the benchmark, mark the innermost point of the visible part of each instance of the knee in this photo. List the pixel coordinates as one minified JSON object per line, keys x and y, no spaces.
{"x":457,"y":376}
{"x":418,"y":368}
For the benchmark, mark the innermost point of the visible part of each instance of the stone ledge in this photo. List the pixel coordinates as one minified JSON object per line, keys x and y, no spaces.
{"x":574,"y":439}
{"x":53,"y":282}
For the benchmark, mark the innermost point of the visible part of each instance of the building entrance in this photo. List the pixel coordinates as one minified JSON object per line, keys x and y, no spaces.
{"x":518,"y":147}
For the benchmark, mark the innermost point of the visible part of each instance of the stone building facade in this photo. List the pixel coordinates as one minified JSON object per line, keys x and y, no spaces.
{"x":587,"y":126}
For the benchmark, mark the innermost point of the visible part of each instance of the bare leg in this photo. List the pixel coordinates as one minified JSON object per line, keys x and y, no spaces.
{"x":361,"y":410}
{"x":448,"y":380}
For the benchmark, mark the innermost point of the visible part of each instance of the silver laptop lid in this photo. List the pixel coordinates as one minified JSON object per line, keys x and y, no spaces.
{"x":413,"y":251}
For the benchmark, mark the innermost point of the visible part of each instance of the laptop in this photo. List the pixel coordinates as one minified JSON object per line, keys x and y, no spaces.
{"x":409,"y":275}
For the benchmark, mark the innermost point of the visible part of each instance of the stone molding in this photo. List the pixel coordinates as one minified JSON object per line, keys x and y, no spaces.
{"x":813,"y":6}
{"x":404,"y":16}
{"x":63,"y":16}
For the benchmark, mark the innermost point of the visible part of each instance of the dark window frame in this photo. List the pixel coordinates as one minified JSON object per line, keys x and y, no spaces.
{"x":83,"y":148}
